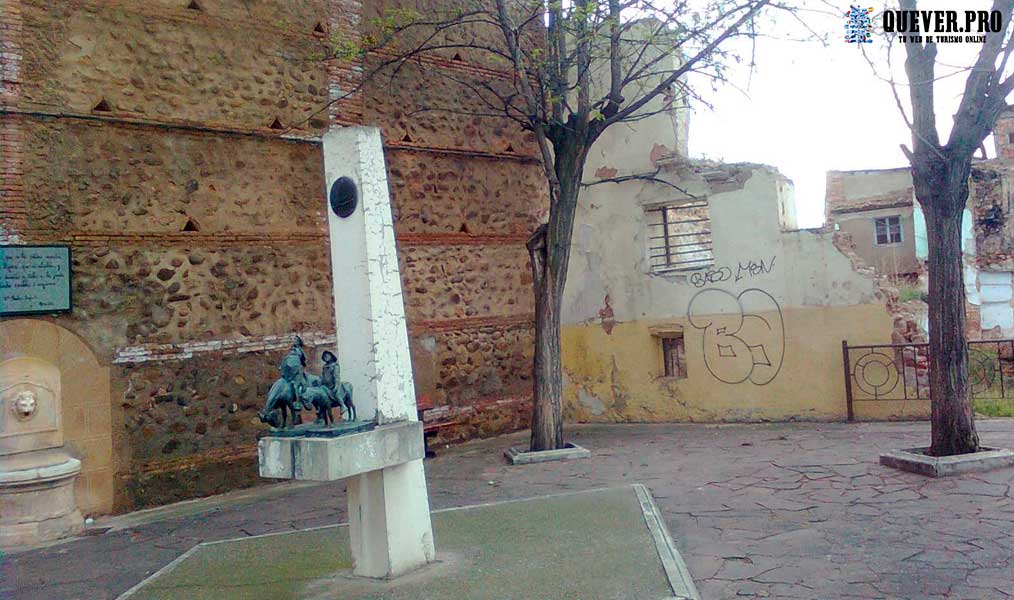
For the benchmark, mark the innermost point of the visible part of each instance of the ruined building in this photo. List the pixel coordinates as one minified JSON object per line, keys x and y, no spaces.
{"x":174,"y":145}
{"x":878,"y":210}
{"x":699,"y":299}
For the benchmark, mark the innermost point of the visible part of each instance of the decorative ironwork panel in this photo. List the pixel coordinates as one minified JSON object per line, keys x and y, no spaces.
{"x":900,"y":372}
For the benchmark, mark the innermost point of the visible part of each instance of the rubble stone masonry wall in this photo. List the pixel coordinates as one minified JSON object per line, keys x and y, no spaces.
{"x":175,"y":147}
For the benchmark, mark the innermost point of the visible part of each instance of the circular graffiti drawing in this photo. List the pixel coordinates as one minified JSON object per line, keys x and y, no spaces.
{"x":744,"y":335}
{"x":875,"y":374}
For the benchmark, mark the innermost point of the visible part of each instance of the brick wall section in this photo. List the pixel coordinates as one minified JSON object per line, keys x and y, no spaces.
{"x":224,"y":73}
{"x":194,"y":224}
{"x":343,"y":26}
{"x":13,"y":211}
{"x":198,"y":230}
{"x":1002,"y":132}
{"x":94,"y":177}
{"x":467,"y":192}
{"x":12,"y":203}
{"x":989,"y":200}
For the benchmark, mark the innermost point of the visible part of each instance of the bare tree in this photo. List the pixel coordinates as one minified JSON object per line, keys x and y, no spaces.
{"x":940,"y":173}
{"x":577,"y":68}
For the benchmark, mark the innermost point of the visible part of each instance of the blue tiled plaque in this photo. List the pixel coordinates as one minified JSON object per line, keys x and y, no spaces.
{"x":34,"y":280}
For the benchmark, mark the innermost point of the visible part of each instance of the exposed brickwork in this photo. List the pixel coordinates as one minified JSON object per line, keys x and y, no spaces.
{"x":906,"y":323}
{"x":198,"y":230}
{"x":154,"y":294}
{"x":12,"y":203}
{"x":427,"y":110}
{"x":440,"y":193}
{"x":465,"y":281}
{"x":992,"y":211}
{"x":13,"y":210}
{"x":1002,"y":132}
{"x":344,"y":77}
{"x":222,"y":73}
{"x":189,"y":418}
{"x":93,"y":177}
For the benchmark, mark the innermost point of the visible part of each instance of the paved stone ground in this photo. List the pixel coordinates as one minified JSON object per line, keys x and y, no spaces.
{"x":778,"y":511}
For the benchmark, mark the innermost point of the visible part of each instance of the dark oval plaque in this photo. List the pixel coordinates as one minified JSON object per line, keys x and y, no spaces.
{"x":344,"y":197}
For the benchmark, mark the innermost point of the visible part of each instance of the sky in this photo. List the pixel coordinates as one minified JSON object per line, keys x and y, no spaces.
{"x":809,"y":107}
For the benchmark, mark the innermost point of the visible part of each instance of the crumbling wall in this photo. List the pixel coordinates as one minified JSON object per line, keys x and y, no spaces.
{"x":761,"y":325}
{"x":854,"y":199}
{"x":991,"y":205}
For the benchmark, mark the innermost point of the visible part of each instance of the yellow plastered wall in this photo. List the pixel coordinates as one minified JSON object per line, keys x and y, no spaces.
{"x":618,"y":375}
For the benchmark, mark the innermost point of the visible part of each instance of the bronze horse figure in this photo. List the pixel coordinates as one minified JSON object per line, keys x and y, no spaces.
{"x":282,"y":399}
{"x":296,"y":390}
{"x":324,"y":398}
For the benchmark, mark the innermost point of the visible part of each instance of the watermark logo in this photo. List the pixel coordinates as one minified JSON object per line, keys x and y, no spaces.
{"x":859,"y":25}
{"x":943,"y":26}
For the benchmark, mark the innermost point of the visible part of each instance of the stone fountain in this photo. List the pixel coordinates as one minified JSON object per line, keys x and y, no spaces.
{"x":37,"y":474}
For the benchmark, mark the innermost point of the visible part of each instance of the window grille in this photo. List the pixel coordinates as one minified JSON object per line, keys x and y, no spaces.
{"x":680,"y":236}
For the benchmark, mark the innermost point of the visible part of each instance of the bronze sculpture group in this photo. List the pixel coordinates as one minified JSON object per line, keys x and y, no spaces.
{"x":296,"y":390}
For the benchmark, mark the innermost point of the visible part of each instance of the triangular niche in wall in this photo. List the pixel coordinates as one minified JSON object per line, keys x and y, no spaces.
{"x":194,"y":5}
{"x":276,"y":124}
{"x":102,"y":106}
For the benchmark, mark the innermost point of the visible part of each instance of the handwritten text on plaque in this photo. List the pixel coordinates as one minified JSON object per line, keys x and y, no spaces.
{"x":34,"y":279}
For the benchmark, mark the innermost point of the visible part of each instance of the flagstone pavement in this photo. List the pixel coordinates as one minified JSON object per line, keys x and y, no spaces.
{"x":788,"y":510}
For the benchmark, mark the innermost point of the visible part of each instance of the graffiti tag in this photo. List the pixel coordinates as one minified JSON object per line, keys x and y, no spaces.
{"x":750,"y":268}
{"x":744,"y":335}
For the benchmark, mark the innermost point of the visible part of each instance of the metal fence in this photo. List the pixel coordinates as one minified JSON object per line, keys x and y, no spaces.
{"x":900,"y":372}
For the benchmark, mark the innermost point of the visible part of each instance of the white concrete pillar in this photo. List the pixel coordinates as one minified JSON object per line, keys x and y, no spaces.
{"x":389,"y":513}
{"x":369,"y":308}
{"x":389,"y":521}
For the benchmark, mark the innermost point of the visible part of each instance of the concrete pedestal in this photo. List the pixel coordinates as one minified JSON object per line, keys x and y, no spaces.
{"x":389,"y":513}
{"x":37,"y":498}
{"x":389,"y":521}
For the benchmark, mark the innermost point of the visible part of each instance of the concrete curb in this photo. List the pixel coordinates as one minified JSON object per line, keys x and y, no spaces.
{"x":913,"y":460}
{"x":571,"y":452}
{"x":166,"y":569}
{"x":676,"y":570}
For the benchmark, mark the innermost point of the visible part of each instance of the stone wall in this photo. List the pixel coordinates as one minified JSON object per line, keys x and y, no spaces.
{"x":176,"y":150}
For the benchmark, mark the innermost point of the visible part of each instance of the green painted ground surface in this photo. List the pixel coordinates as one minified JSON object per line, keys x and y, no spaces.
{"x":589,"y":545}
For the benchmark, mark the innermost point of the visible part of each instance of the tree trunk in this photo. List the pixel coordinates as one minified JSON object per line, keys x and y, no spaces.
{"x":953,"y":421}
{"x":547,"y":411}
{"x":549,"y":250}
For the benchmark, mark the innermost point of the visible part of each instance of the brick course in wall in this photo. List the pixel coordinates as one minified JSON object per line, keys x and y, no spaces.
{"x":140,"y":133}
{"x":13,"y":213}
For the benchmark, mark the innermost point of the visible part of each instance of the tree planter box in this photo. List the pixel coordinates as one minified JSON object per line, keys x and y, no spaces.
{"x":570,"y":452}
{"x":914,"y":460}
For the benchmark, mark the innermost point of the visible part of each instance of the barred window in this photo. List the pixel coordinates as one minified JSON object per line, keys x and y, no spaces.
{"x":888,"y":230}
{"x":679,"y":236}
